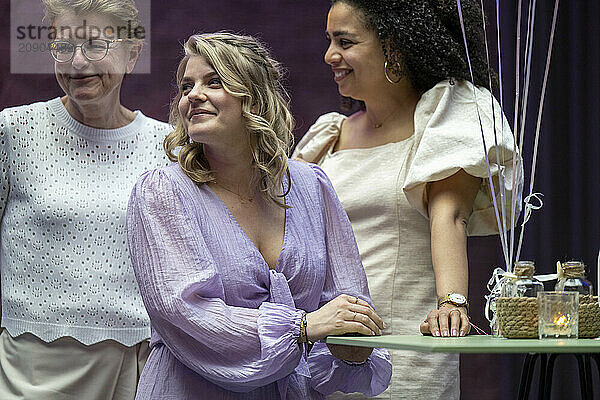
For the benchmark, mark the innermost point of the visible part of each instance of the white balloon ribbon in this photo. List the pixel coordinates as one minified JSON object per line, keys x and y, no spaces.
{"x":494,"y":286}
{"x":499,"y":278}
{"x":528,"y":206}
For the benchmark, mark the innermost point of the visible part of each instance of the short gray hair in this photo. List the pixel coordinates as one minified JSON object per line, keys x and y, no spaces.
{"x":123,"y":12}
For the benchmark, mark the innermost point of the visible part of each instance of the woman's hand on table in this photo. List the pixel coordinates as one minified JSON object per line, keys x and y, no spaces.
{"x":342,"y":315}
{"x":448,"y":320}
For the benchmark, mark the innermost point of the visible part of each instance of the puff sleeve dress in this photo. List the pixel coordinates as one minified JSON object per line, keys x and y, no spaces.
{"x":224,"y":325}
{"x":383,"y":190}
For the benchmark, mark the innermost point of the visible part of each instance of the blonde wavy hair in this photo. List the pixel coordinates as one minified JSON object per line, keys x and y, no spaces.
{"x":249,"y":73}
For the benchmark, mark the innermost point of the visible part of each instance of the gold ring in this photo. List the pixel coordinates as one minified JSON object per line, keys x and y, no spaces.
{"x":454,"y":310}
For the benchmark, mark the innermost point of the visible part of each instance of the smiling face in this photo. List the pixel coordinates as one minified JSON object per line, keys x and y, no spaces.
{"x":354,"y":53}
{"x":209,"y":114}
{"x":92,"y":82}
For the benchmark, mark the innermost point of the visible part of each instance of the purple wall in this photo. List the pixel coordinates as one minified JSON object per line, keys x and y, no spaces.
{"x":294,"y":32}
{"x":567,"y":227}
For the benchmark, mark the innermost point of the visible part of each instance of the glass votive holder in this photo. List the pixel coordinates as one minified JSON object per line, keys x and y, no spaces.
{"x":557,"y":313}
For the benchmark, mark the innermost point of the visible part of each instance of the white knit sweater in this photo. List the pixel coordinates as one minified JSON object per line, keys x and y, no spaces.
{"x":64,"y":187}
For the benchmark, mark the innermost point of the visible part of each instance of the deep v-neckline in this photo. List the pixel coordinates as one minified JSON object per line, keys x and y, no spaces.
{"x":249,"y":241}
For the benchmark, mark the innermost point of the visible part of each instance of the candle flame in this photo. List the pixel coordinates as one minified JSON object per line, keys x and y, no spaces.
{"x":561,"y":320}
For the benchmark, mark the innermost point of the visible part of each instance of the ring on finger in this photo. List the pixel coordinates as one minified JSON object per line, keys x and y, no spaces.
{"x":454,"y":310}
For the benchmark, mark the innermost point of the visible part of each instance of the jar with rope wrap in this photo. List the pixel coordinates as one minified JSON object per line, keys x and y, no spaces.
{"x":523,"y":284}
{"x":572,"y":278}
{"x":518,"y":305}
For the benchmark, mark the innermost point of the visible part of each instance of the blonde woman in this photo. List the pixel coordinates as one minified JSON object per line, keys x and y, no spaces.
{"x":75,"y":325}
{"x":243,"y":258}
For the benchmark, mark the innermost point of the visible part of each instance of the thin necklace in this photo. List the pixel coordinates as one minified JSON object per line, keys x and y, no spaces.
{"x":377,"y":125}
{"x":242,"y":198}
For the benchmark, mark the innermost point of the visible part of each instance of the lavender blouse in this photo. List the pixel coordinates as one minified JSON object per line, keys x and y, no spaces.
{"x":225,"y":326}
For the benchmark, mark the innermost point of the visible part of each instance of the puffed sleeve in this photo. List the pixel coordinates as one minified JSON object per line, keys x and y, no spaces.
{"x":448,"y":138}
{"x":345,"y":275}
{"x":315,"y":142}
{"x":236,"y":348}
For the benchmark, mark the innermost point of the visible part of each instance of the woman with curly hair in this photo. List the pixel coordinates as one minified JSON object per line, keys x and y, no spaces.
{"x":409,"y":166}
{"x":243,"y":259}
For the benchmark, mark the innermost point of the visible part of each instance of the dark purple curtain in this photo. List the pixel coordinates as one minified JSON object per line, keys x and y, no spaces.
{"x":567,"y":227}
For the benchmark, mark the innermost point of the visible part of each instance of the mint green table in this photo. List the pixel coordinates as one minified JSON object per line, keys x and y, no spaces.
{"x":474,"y":344}
{"x":583,"y":349}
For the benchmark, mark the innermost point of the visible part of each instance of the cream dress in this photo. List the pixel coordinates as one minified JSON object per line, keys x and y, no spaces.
{"x":383,"y":190}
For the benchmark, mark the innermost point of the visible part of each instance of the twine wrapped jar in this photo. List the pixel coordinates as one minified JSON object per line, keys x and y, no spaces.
{"x":589,"y":317}
{"x":573,"y":279}
{"x":518,"y":316}
{"x":517,"y":309}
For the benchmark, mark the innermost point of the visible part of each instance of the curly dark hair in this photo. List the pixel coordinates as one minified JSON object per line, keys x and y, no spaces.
{"x":422,"y":39}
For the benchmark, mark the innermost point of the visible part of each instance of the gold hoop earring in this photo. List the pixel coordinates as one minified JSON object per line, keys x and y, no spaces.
{"x":385,"y":72}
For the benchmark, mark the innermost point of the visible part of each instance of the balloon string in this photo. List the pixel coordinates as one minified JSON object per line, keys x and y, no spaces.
{"x":503,"y":160}
{"x":487,"y":161}
{"x":528,"y":53}
{"x":515,"y":129}
{"x":539,"y":120}
{"x":527,"y":210}
{"x":502,"y":228}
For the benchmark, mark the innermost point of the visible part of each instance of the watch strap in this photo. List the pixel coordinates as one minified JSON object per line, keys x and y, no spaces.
{"x":446,"y":300}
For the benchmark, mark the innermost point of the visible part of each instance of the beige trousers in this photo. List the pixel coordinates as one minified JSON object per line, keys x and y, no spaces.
{"x":65,"y":369}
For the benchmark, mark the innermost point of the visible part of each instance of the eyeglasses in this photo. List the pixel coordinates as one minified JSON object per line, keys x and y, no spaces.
{"x":94,"y":49}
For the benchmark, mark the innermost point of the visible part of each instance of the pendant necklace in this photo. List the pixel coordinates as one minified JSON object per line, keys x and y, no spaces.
{"x":378,"y":125}
{"x":243,"y":199}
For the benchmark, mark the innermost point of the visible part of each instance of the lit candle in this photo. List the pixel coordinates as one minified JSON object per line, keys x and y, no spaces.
{"x":557,"y":313}
{"x":561,"y":321}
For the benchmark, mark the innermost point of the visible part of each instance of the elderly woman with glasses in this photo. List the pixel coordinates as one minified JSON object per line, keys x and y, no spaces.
{"x":74,"y":323}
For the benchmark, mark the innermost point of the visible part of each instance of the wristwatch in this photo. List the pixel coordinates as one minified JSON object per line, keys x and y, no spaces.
{"x":455,"y":299}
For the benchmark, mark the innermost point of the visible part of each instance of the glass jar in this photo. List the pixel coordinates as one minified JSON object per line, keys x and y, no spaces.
{"x":524,"y":284}
{"x":573,"y":279}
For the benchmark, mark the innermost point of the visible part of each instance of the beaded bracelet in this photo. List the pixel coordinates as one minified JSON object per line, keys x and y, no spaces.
{"x":303,"y":337}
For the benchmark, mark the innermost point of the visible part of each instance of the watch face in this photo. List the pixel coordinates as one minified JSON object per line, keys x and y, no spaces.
{"x":457,"y":298}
